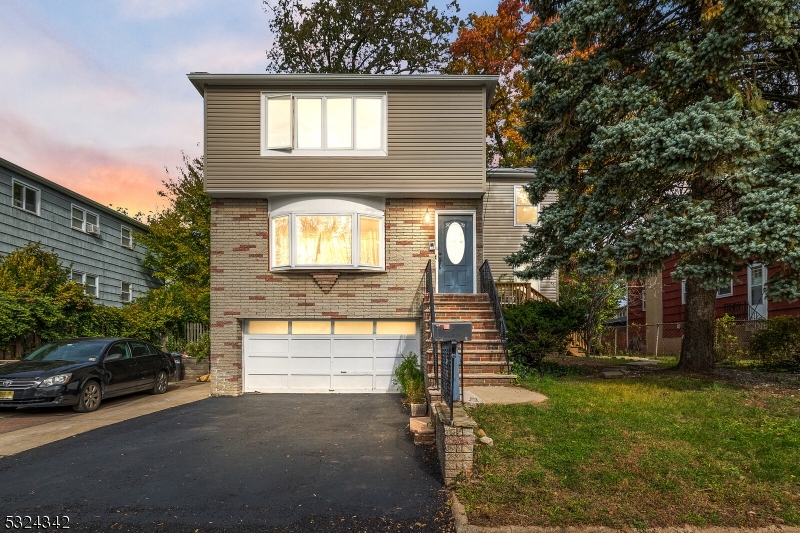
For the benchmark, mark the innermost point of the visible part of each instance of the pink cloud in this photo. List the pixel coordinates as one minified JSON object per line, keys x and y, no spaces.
{"x":128,"y":177}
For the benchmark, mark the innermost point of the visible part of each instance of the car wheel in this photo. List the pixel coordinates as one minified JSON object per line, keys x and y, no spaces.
{"x":89,"y":397}
{"x":161,"y":383}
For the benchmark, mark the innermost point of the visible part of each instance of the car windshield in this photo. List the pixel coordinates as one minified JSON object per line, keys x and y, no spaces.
{"x":79,"y":351}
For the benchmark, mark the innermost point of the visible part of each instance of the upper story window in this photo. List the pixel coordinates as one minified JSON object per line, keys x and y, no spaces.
{"x":90,"y":283}
{"x":524,"y":211}
{"x":330,"y":124}
{"x":85,"y":221}
{"x":25,"y":197}
{"x":126,"y":237}
{"x":327,"y":233}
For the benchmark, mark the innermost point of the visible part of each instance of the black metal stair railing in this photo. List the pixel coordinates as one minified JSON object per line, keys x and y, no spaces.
{"x":488,"y":287}
{"x":434,"y":349}
{"x":449,"y":387}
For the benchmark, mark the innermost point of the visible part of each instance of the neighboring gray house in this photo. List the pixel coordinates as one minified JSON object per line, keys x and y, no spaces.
{"x":95,"y":241}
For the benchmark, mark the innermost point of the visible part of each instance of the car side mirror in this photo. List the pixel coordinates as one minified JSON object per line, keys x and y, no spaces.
{"x":113,"y":357}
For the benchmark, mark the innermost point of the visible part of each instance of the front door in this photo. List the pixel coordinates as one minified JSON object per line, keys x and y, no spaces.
{"x":756,"y":278}
{"x":456,"y":255}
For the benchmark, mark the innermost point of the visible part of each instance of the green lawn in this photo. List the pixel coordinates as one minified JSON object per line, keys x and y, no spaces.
{"x":657,"y":450}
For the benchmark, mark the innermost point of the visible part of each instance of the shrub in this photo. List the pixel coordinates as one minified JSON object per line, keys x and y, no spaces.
{"x":200,"y":349}
{"x":410,"y":379}
{"x":778,"y":343}
{"x":537,"y":329}
{"x":727,"y":347}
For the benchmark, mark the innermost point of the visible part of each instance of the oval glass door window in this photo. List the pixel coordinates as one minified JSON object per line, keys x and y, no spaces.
{"x":454,"y":243}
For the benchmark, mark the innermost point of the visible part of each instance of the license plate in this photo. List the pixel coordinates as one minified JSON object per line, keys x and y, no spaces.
{"x":6,"y":394}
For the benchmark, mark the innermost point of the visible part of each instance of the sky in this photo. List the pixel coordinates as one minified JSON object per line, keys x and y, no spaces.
{"x":94,"y":94}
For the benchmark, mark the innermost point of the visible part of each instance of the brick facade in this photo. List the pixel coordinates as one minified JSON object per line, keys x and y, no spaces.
{"x":242,"y":287}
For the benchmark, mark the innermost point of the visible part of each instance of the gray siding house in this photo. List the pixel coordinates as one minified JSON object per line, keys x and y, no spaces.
{"x":94,"y":241}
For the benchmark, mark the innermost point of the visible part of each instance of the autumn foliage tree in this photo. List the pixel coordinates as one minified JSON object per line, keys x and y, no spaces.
{"x":493,"y":44}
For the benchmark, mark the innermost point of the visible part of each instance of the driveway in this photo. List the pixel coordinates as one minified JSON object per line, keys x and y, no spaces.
{"x":252,"y":463}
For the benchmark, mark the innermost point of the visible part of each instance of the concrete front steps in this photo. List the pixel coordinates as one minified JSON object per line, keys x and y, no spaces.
{"x":484,"y":360}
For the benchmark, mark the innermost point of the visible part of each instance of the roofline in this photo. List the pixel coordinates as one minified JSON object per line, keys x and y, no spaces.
{"x":500,"y":172}
{"x":201,"y":79}
{"x":60,"y":188}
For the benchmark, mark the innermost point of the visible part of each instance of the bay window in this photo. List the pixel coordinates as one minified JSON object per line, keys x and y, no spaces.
{"x":330,"y":124}
{"x":327,"y":233}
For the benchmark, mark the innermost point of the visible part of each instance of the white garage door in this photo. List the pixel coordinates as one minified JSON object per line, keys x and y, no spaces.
{"x":325,"y":355}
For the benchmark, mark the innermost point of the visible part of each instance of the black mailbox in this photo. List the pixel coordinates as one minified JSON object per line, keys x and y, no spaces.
{"x":451,"y":331}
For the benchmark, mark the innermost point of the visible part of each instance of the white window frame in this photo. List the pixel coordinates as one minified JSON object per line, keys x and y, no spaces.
{"x":130,"y":292}
{"x":332,"y":152}
{"x":726,"y":295}
{"x":83,"y":222}
{"x":122,"y":237}
{"x":351,"y":209}
{"x":538,"y":209}
{"x":38,"y":191}
{"x":83,"y":282}
{"x":683,"y":292}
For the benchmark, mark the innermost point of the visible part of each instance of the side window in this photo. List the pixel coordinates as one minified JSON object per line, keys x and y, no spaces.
{"x":152,"y":348}
{"x":127,"y":292}
{"x":140,"y":349}
{"x":120,"y":347}
{"x":524,"y":211}
{"x":126,"y":237}
{"x":25,"y":197}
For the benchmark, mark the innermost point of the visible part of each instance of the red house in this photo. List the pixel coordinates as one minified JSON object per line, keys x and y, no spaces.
{"x":656,"y":306}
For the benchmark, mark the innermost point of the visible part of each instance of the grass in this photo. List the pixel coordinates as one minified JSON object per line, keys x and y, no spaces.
{"x":658,"y":450}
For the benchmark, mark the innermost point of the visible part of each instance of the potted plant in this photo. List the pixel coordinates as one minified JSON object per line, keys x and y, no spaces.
{"x":410,"y":379}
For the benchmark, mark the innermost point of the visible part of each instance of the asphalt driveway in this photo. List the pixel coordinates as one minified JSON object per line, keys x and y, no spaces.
{"x":253,"y":463}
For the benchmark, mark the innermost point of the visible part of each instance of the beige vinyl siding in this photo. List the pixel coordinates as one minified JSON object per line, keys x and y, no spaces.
{"x":436,"y":145}
{"x":501,"y":237}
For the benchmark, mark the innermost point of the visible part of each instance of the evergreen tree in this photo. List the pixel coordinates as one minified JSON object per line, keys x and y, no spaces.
{"x":668,"y":128}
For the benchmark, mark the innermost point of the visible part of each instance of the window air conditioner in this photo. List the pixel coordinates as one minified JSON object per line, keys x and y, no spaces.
{"x":92,"y":229}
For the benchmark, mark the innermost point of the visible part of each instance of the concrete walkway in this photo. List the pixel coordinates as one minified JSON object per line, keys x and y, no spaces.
{"x":501,"y":395}
{"x":62,"y":427}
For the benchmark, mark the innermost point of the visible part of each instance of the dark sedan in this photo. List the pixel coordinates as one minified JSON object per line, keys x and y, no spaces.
{"x":83,"y":372}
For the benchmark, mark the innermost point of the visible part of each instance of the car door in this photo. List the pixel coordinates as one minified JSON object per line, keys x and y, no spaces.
{"x":148,"y":363}
{"x":120,"y":369}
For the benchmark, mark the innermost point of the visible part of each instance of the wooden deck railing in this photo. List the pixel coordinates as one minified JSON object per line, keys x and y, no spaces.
{"x":515,"y":293}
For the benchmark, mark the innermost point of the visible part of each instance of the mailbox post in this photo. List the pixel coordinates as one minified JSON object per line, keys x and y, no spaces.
{"x":449,"y":334}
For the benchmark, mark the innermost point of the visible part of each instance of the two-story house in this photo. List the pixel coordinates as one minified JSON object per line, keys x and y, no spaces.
{"x":94,"y":241}
{"x":331,"y":195}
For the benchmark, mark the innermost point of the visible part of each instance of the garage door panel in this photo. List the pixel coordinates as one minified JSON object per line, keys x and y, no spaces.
{"x":337,"y":362}
{"x":352,"y":383}
{"x":310,"y":346}
{"x":306,"y":382}
{"x":263,"y":382}
{"x":268,"y":365}
{"x":310,"y":365}
{"x":401,"y":345}
{"x":267,"y":346}
{"x":386,"y":365}
{"x":384,"y":384}
{"x":353,"y":364}
{"x":353,"y":346}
